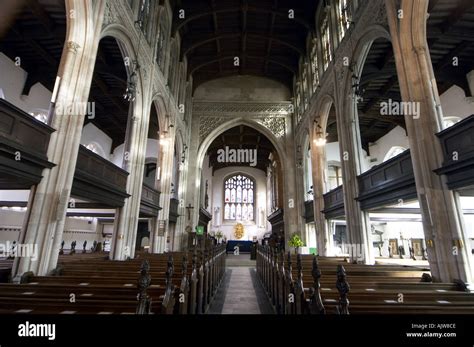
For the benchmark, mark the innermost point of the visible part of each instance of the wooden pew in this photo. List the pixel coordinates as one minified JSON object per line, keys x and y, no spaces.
{"x":373,"y":289}
{"x":163,"y":284}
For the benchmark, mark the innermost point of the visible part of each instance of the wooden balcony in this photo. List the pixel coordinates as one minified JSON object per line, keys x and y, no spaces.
{"x":173,"y":217}
{"x":388,"y":183}
{"x":458,"y":150}
{"x":204,"y":218}
{"x":150,"y":202}
{"x":98,"y":180}
{"x":24,"y":145}
{"x":334,"y":203}
{"x":309,"y":211}
{"x":277,"y":221}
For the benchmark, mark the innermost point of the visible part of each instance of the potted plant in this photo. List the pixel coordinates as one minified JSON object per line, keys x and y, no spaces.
{"x":296,"y":242}
{"x":219,"y":236}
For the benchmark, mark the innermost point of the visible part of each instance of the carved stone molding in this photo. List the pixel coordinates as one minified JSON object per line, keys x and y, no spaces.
{"x":208,"y":124}
{"x":110,"y":15}
{"x":73,"y":46}
{"x":214,"y":114}
{"x":277,"y":125}
{"x":242,"y":108}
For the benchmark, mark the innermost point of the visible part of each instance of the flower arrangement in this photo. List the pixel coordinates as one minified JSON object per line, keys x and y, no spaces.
{"x":296,"y":242}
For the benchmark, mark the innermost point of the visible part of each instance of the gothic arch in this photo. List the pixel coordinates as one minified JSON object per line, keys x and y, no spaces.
{"x":161,"y":109}
{"x":233,"y":123}
{"x":324,"y":107}
{"x":361,"y":50}
{"x":125,"y":43}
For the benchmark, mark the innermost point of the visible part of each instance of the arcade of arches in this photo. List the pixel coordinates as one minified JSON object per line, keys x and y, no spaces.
{"x":136,"y":129}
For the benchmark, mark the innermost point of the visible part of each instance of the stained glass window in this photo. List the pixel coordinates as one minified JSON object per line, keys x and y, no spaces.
{"x":239,"y":198}
{"x":227,"y":211}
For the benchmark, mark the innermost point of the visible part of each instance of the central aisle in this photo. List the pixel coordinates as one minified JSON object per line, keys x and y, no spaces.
{"x":241,"y":292}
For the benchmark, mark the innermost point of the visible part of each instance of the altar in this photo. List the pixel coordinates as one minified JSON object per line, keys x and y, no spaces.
{"x":244,"y":246}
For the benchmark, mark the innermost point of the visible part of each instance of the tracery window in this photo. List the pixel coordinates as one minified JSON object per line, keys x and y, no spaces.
{"x":239,"y":198}
{"x":315,"y":65}
{"x":305,"y":87}
{"x":144,"y":15}
{"x":326,"y":42}
{"x":344,"y":17}
{"x":161,"y":44}
{"x":298,"y":102}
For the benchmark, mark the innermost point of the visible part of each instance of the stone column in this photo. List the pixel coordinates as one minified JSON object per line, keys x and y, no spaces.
{"x":126,"y":222}
{"x":49,"y":203}
{"x":443,"y":224}
{"x":288,"y":175}
{"x":180,"y":224}
{"x":166,"y":169}
{"x":358,"y":223}
{"x":193,"y":182}
{"x":318,"y":163}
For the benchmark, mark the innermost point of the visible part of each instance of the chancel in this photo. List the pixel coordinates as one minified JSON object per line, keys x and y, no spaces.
{"x":236,"y":157}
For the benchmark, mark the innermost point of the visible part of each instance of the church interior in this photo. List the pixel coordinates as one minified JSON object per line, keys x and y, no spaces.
{"x":272,"y":157}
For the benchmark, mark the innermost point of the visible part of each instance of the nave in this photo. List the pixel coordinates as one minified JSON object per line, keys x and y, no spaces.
{"x":200,"y":282}
{"x":142,"y":142}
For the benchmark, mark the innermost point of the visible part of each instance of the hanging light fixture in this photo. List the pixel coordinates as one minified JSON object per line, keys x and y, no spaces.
{"x":320,"y":140}
{"x":131,"y":91}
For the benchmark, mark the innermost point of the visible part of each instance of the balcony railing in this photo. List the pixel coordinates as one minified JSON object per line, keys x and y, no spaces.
{"x":309,"y":211}
{"x":99,"y":180}
{"x":458,"y":150}
{"x":24,"y":144}
{"x":150,"y":201}
{"x":334,"y":203}
{"x":388,"y":183}
{"x":174,"y":203}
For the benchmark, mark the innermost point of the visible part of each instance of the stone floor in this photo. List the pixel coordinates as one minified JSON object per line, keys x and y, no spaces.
{"x":241,"y":293}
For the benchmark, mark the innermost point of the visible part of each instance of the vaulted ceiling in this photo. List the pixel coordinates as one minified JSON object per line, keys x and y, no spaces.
{"x":259,"y":33}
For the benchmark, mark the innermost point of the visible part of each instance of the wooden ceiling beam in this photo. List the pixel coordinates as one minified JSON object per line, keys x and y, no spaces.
{"x":432,"y":5}
{"x":206,"y":13}
{"x":212,"y":60}
{"x":456,"y":15}
{"x":243,"y":39}
{"x":45,"y":55}
{"x":448,"y":59}
{"x":41,"y":14}
{"x":383,"y":92}
{"x":200,"y":41}
{"x":216,"y":30}
{"x":385,"y":119}
{"x":270,"y":34}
